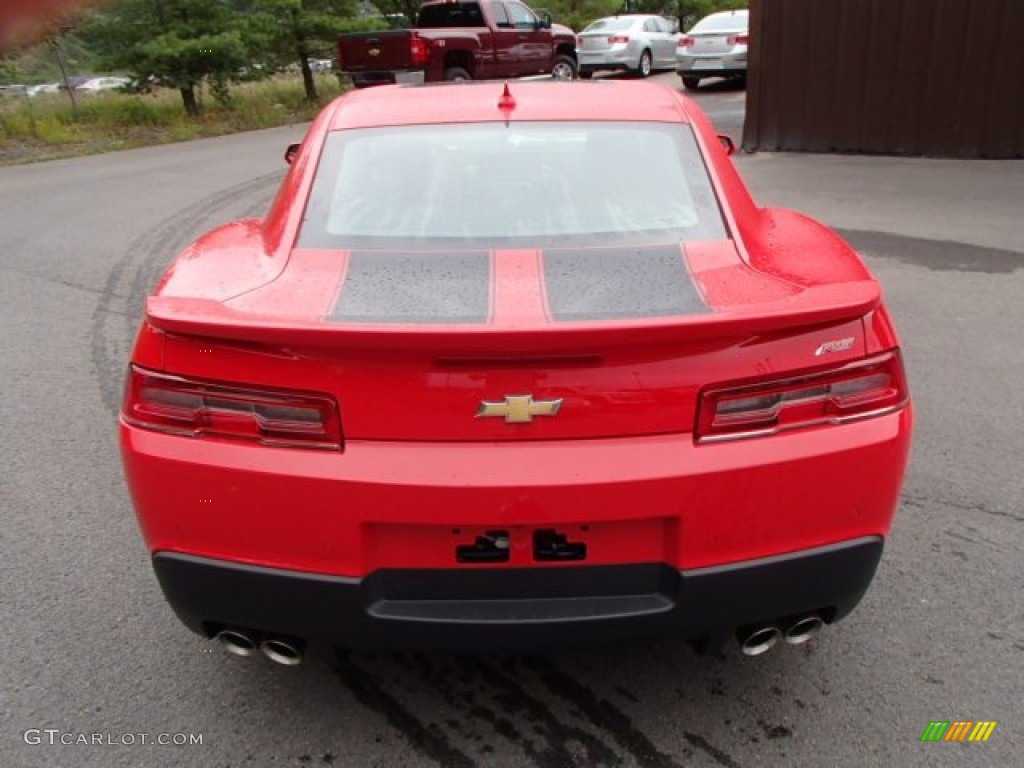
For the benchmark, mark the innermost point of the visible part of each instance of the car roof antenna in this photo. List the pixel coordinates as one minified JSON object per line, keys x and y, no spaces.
{"x":507,"y":101}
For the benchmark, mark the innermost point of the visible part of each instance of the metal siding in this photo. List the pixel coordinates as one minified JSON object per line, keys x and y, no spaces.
{"x":907,"y":77}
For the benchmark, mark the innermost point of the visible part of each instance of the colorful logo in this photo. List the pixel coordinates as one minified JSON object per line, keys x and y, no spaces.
{"x":958,"y":730}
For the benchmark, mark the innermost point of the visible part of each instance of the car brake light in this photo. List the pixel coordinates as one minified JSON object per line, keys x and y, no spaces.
{"x":685,"y":42}
{"x":196,"y":409}
{"x":737,"y":39}
{"x":419,"y":51}
{"x":853,"y":391}
{"x":618,"y":39}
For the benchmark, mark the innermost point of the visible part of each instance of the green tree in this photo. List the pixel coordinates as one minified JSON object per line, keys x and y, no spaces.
{"x":293,"y":30}
{"x":407,"y":8}
{"x":579,"y":13}
{"x":176,"y":43}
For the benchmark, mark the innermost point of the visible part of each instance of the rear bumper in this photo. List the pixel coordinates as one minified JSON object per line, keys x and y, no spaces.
{"x":386,"y":77}
{"x":388,"y":505}
{"x":625,"y":60}
{"x":517,"y":609}
{"x":711,"y":66}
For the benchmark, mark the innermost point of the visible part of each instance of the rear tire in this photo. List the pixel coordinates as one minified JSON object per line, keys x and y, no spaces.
{"x":564,"y":68}
{"x":456,"y":73}
{"x":643,"y":67}
{"x":691,"y":83}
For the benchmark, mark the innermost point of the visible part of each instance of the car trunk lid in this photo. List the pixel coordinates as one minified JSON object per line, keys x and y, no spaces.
{"x":515,"y":344}
{"x":714,"y":43}
{"x":596,"y":41}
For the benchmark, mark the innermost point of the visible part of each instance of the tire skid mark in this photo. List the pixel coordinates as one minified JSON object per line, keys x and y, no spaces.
{"x":469,"y":674}
{"x":501,"y":725}
{"x":514,"y":698}
{"x":418,"y":675}
{"x":471,"y":697}
{"x":428,"y":740}
{"x":720,"y":757}
{"x":602,"y":713}
{"x":134,"y":273}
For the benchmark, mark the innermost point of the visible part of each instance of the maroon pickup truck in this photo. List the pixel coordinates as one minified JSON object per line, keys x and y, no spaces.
{"x":461,"y":40}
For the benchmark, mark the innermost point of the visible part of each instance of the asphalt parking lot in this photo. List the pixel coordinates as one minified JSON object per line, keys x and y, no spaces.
{"x":91,"y":647}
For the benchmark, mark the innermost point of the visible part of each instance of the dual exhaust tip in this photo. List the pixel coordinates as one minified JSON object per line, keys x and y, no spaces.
{"x":241,"y":642}
{"x":288,"y":652}
{"x":761,"y":639}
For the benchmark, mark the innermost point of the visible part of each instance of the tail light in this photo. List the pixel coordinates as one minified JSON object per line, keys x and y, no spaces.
{"x":618,"y":39}
{"x":685,"y":42}
{"x":853,"y":391}
{"x":419,"y":50}
{"x":738,"y":39}
{"x":198,"y":409}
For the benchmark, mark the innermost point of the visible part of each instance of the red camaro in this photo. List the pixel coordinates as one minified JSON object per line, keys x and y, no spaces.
{"x":514,"y":367}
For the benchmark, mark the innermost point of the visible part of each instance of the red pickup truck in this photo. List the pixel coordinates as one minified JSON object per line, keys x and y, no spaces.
{"x":461,"y":40}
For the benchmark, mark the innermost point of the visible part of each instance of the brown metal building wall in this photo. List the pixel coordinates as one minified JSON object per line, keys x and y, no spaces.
{"x":908,"y":77}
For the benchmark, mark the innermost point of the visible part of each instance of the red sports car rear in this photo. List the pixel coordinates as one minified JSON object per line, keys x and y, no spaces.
{"x":514,"y":368}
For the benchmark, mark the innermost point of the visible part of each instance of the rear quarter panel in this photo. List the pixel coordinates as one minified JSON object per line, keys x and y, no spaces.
{"x":476,"y":43}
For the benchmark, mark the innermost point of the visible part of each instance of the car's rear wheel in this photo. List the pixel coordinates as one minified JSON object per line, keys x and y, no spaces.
{"x":691,"y":83}
{"x":643,"y":67}
{"x":564,"y":68}
{"x":456,"y":73}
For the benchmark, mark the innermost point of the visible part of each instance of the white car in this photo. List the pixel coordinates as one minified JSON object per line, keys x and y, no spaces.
{"x":97,"y":84}
{"x":35,"y":90}
{"x":631,"y":42}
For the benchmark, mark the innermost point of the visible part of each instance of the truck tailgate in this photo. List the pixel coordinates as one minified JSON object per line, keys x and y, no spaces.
{"x":375,"y":51}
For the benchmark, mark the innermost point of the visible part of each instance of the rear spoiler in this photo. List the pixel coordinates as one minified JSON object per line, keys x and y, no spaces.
{"x":819,"y":305}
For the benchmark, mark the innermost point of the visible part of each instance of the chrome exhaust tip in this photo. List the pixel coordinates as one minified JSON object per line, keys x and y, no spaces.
{"x":760,"y":640}
{"x":282,"y":650}
{"x":237,"y":641}
{"x":803,"y":629}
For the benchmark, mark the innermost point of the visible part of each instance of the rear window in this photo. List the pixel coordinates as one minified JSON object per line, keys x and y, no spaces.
{"x":450,"y":15}
{"x":723,"y":22}
{"x":493,"y":185}
{"x":610,"y":25}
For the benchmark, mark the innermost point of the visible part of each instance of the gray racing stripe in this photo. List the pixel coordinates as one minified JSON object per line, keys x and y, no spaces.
{"x":415,"y":287}
{"x":610,"y":283}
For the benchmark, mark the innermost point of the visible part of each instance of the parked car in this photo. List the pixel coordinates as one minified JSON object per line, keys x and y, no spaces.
{"x":97,"y":84}
{"x":465,"y":40}
{"x":36,"y":90}
{"x":73,"y":81}
{"x":715,"y":47}
{"x":510,"y":366}
{"x":635,"y":43}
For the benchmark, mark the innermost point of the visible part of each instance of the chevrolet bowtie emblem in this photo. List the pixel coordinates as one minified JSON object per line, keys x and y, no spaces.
{"x":519,"y":409}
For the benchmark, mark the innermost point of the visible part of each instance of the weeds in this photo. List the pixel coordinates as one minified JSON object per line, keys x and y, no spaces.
{"x":46,"y":127}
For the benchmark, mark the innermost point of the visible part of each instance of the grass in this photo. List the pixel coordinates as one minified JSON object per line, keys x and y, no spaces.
{"x":46,"y":127}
